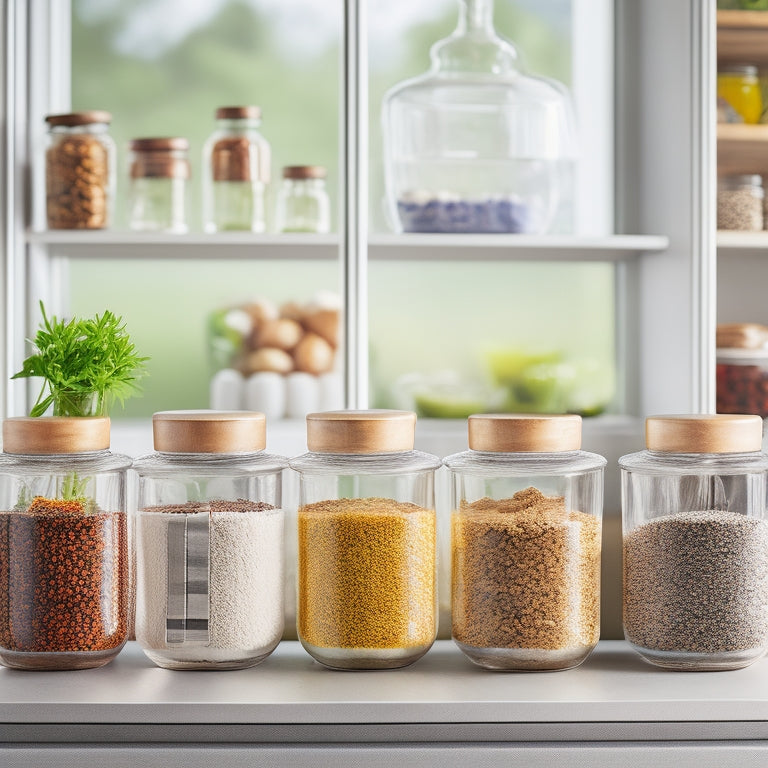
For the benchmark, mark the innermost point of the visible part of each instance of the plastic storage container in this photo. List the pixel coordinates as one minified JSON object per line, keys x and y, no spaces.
{"x":303,"y":204}
{"x":236,"y":159}
{"x":696,"y":543}
{"x":525,"y":543}
{"x":475,"y":144}
{"x":740,"y":203}
{"x":158,"y":189}
{"x":739,"y":93}
{"x":209,"y":542}
{"x":79,"y":171}
{"x":367,"y":595}
{"x":64,"y":566}
{"x":742,"y":369}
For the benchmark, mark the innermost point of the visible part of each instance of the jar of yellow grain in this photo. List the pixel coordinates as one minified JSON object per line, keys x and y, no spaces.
{"x":367,"y":596}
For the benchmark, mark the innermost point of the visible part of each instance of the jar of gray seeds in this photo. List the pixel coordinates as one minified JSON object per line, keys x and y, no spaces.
{"x":740,"y":203}
{"x":695,"y":538}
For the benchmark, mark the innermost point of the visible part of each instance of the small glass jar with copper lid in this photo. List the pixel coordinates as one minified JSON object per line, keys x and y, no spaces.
{"x":159,"y":175}
{"x":79,"y":171}
{"x":367,"y":596}
{"x":525,"y":541}
{"x":64,"y":564}
{"x":236,"y":162}
{"x":209,"y":542}
{"x":303,"y":204}
{"x":696,"y":542}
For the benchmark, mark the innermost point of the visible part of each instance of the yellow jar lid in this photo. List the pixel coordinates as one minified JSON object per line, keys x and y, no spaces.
{"x":52,"y":435}
{"x":524,"y":433}
{"x":374,"y":431}
{"x":209,"y":431}
{"x":704,"y":433}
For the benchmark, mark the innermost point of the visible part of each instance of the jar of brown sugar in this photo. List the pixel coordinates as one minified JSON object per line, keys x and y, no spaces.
{"x":64,"y":565}
{"x":160,"y":171}
{"x":525,"y":543}
{"x":79,"y":171}
{"x":236,"y":162}
{"x":367,"y":594}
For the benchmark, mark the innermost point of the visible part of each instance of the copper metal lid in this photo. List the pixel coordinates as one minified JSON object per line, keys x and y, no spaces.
{"x":375,"y":431}
{"x":80,"y":118}
{"x":155,"y":144}
{"x":524,"y":433}
{"x":209,"y":431}
{"x":55,"y":434}
{"x":236,"y":113}
{"x":304,"y":172}
{"x":704,"y":433}
{"x":742,"y":336}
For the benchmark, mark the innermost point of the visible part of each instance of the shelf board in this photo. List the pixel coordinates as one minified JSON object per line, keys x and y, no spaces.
{"x":742,"y":148}
{"x":742,"y":36}
{"x":733,"y":243}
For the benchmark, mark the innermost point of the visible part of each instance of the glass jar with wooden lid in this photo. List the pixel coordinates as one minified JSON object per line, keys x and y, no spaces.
{"x":79,"y":171}
{"x":367,"y":595}
{"x":303,"y":204}
{"x":64,"y":565}
{"x":159,"y":173}
{"x":525,"y":542}
{"x":696,"y":542}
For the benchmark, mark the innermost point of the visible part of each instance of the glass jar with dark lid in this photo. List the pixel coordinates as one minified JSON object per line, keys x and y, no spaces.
{"x":303,"y":204}
{"x":236,"y":163}
{"x":79,"y":170}
{"x":159,"y":173}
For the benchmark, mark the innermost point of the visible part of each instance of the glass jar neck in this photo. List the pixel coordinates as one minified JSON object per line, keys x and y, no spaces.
{"x":475,"y":16}
{"x":238,"y":123}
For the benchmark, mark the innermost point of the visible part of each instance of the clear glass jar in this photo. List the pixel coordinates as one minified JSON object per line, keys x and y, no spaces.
{"x":740,"y":202}
{"x":476,"y":145}
{"x":696,"y":543}
{"x":64,"y":565}
{"x":738,"y":89}
{"x":209,"y":542}
{"x":525,"y":543}
{"x":159,"y":171}
{"x":742,"y":368}
{"x":303,"y":204}
{"x":79,"y":171}
{"x":236,"y":159}
{"x":367,"y":596}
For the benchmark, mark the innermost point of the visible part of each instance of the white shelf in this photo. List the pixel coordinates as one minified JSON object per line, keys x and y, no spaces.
{"x":245,"y":245}
{"x":732,"y":243}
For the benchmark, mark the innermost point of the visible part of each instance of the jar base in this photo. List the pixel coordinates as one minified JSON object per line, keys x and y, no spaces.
{"x":685,"y":661}
{"x":206,"y":659}
{"x":525,"y":659}
{"x":58,"y":661}
{"x":365,"y":658}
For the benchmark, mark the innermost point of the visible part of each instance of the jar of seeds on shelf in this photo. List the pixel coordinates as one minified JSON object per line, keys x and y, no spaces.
{"x":696,"y":542}
{"x":209,"y":542}
{"x":236,"y":163}
{"x":303,"y":204}
{"x":159,"y":171}
{"x":525,"y":542}
{"x":740,"y":202}
{"x":366,"y":581}
{"x":79,"y":171}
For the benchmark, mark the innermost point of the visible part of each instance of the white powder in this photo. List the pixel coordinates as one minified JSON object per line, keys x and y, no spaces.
{"x":245,"y":587}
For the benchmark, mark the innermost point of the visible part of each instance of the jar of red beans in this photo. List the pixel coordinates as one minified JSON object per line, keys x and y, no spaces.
{"x":64,"y":566}
{"x":742,"y":369}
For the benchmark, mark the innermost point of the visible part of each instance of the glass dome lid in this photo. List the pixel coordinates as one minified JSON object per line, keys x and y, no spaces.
{"x":476,"y":144}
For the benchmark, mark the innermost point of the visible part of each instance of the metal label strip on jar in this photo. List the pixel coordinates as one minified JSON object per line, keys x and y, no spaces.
{"x":188,"y":610}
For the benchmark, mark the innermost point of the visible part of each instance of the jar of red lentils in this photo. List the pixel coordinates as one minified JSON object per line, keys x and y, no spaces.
{"x":367,"y":596}
{"x":64,"y":565}
{"x":742,"y":368}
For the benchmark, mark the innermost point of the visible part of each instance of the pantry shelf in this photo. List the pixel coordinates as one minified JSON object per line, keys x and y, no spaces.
{"x":730,"y":243}
{"x":742,"y":36}
{"x":742,"y":148}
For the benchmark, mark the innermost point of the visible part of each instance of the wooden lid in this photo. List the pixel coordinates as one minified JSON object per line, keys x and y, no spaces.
{"x":238,"y":113}
{"x":524,"y":433}
{"x":704,"y":433}
{"x":742,"y":336}
{"x":304,"y":172}
{"x":374,"y":431}
{"x":79,"y":118}
{"x":49,"y":435}
{"x":209,"y":431}
{"x":160,"y":144}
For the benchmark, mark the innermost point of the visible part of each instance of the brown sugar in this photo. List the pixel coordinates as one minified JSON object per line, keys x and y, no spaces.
{"x":526,"y":574}
{"x":366,"y":574}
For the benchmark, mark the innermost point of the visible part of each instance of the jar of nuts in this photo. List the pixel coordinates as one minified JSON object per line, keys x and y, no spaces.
{"x":79,"y":171}
{"x":740,"y":202}
{"x":236,"y":159}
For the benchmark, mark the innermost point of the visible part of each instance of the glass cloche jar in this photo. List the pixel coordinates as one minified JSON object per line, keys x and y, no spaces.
{"x":475,"y":144}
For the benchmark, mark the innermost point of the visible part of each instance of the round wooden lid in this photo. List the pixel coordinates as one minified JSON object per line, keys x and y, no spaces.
{"x":374,"y":431}
{"x":704,"y":433}
{"x":209,"y":431}
{"x":50,"y":435}
{"x":524,"y":433}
